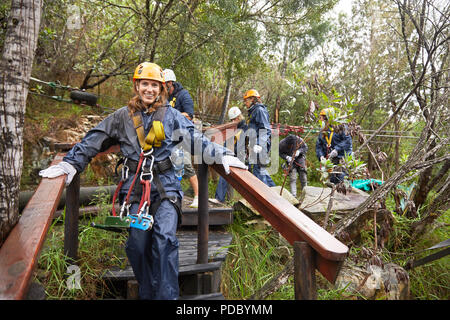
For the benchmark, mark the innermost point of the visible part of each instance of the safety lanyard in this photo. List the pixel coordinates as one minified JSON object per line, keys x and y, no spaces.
{"x":156,"y":133}
{"x":142,"y":220}
{"x":172,"y":103}
{"x":328,"y":139}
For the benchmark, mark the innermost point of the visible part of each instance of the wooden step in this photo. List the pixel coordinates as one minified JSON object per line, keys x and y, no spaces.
{"x":127,"y":273}
{"x":217,"y":250}
{"x":196,"y":281}
{"x":209,"y":296}
{"x":217,"y":216}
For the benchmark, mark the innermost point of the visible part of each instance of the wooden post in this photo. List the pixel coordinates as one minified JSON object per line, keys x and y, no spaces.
{"x":71,"y":219}
{"x":304,"y":271}
{"x":203,"y":214}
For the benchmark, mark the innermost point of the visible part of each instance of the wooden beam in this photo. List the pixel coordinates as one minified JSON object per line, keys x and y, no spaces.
{"x":304,"y":272}
{"x":20,"y":252}
{"x":293,"y":224}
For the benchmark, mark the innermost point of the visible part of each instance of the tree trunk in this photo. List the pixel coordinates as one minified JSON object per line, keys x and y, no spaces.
{"x":15,"y":71}
{"x":276,"y":114}
{"x":226,"y":99}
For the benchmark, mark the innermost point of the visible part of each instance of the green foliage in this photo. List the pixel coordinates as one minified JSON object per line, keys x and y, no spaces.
{"x":353,"y":166}
{"x":255,"y":256}
{"x":98,"y":250}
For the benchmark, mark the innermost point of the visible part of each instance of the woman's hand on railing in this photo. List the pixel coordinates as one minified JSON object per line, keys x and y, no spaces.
{"x":59,"y":170}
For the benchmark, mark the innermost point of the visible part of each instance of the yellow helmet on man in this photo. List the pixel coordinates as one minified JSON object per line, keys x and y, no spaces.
{"x":251,"y":93}
{"x":149,"y":71}
{"x":327,"y":112}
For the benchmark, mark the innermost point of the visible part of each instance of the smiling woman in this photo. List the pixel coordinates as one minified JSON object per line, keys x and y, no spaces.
{"x":146,"y":130}
{"x":148,"y":90}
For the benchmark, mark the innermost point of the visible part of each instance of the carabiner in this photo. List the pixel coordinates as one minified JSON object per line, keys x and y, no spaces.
{"x":146,"y":154}
{"x":122,"y":209}
{"x":125,"y":170}
{"x":150,"y":173}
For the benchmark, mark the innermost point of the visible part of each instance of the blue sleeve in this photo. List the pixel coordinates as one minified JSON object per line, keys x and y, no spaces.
{"x":343,"y":144}
{"x":321,"y":148}
{"x":186,"y":102}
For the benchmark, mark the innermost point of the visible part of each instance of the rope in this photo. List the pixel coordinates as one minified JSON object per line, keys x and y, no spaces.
{"x":55,"y":85}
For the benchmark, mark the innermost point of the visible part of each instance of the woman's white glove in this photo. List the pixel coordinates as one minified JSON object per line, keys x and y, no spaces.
{"x":333,"y":153}
{"x":257,"y":148}
{"x":59,"y":170}
{"x":297,"y":153}
{"x":288,"y":159}
{"x":230,"y":161}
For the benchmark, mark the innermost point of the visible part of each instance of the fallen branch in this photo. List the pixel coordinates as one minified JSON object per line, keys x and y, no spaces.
{"x":275,"y":283}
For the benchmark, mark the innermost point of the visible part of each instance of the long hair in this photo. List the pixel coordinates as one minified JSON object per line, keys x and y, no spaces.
{"x":136,"y":104}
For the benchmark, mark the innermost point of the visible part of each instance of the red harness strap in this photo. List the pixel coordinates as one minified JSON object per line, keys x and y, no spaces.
{"x":119,"y":186}
{"x":146,"y":190}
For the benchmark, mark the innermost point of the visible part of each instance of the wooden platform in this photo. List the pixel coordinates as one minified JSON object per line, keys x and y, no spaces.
{"x":197,"y":281}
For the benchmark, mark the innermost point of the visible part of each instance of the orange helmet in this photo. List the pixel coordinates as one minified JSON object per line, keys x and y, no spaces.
{"x":150,"y":71}
{"x":251,"y":93}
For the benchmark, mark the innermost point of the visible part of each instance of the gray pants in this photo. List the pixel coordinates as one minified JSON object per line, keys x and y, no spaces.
{"x":293,"y":179}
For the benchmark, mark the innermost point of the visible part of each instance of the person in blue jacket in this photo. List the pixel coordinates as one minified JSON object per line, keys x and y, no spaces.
{"x":333,"y":142}
{"x":259,"y":133}
{"x":152,"y":253}
{"x":180,"y":99}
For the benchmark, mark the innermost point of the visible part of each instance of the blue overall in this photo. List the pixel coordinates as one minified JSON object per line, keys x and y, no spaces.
{"x":341,"y":142}
{"x":260,"y":134}
{"x":153,"y":254}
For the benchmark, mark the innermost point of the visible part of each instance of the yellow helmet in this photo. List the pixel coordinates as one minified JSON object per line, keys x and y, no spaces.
{"x":150,"y":71}
{"x":251,"y":93}
{"x":327,"y":112}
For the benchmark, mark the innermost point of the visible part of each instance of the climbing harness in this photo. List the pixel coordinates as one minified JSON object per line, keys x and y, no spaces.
{"x":156,"y":134}
{"x":147,"y":170}
{"x":142,"y":220}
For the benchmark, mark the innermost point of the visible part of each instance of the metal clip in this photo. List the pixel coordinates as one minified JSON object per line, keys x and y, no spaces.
{"x":144,"y":207}
{"x":125,"y":170}
{"x":122,"y":209}
{"x":150,"y":173}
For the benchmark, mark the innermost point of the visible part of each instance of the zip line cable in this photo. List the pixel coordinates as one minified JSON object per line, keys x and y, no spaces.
{"x":77,"y":96}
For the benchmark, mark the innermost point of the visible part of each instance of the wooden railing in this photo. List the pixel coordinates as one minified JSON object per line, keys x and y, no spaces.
{"x":20,"y":251}
{"x":313,"y":246}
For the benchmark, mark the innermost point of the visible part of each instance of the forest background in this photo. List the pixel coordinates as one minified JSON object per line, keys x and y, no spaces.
{"x":384,"y":62}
